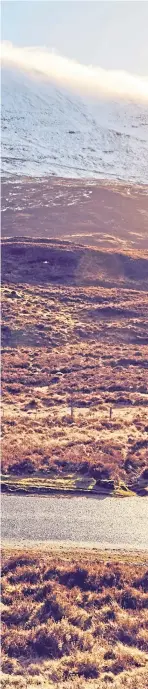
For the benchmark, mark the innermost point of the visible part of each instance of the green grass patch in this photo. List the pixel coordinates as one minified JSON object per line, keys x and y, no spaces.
{"x":68,"y":482}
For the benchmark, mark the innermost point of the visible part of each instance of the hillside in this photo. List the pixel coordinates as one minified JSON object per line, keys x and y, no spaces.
{"x":103,"y":214}
{"x":50,"y":130}
{"x":74,"y":328}
{"x":46,"y":261}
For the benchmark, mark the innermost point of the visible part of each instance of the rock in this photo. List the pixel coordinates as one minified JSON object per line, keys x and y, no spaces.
{"x":105,"y":484}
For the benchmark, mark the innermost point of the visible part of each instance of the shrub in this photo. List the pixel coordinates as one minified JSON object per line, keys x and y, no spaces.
{"x":142,"y":582}
{"x":24,"y":467}
{"x":88,"y":669}
{"x":51,"y":608}
{"x":16,"y":644}
{"x":100,"y":472}
{"x":128,"y":601}
{"x":74,"y":578}
{"x":44,"y":643}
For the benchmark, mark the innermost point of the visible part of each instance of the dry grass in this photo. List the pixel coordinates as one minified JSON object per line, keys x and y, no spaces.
{"x":101,"y":213}
{"x":88,"y":341}
{"x":74,"y":618}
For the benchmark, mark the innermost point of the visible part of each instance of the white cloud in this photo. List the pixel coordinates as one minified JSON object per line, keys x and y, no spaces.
{"x":88,"y":79}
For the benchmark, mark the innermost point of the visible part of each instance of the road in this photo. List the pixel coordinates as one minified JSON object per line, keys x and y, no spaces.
{"x":105,"y":522}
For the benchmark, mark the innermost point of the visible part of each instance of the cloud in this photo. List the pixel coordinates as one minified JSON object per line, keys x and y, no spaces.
{"x":85,"y":79}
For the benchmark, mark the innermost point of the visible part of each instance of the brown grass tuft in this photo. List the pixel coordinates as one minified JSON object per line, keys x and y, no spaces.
{"x":65,"y":623}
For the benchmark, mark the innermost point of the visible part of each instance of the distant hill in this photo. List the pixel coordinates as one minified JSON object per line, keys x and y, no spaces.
{"x":37,"y":261}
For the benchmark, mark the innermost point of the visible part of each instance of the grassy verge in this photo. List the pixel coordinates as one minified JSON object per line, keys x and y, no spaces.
{"x":74,"y":618}
{"x":67,"y":483}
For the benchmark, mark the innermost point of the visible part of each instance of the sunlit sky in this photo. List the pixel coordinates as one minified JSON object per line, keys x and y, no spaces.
{"x":108,"y":34}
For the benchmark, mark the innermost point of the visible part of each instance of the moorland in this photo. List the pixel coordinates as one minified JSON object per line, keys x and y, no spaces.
{"x":74,"y":618}
{"x":74,"y":366}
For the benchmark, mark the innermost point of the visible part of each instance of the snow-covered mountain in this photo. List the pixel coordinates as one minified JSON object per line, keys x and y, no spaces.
{"x":46,"y":130}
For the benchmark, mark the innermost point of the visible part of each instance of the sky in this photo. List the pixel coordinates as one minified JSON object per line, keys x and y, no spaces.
{"x":109,"y":34}
{"x":90,"y":45}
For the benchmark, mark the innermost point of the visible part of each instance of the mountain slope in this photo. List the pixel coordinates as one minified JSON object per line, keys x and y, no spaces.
{"x":49,"y":130}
